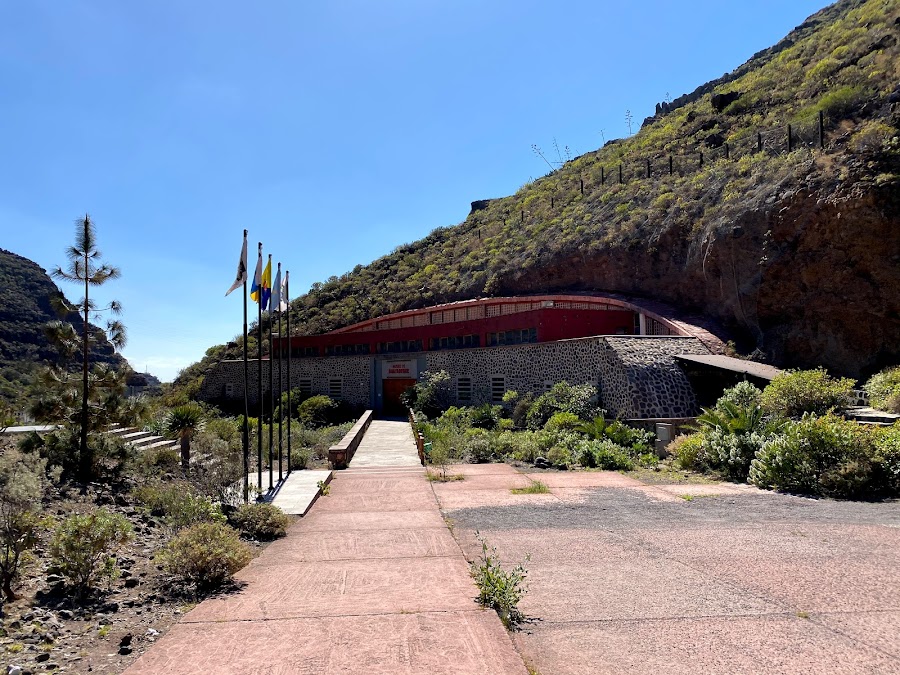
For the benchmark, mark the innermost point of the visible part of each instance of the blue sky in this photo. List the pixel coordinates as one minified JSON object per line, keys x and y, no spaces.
{"x":332,"y":131}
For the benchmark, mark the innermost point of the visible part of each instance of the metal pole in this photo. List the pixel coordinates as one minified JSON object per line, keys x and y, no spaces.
{"x":259,"y":342}
{"x":245,"y":431}
{"x":271,"y":393}
{"x":280,"y":387}
{"x":287,"y":301}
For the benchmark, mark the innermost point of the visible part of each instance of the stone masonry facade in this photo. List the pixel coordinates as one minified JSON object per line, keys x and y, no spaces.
{"x":636,"y":376}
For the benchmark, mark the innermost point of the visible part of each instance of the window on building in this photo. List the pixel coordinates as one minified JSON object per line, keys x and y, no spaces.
{"x":498,"y":388}
{"x":513,"y":337}
{"x":464,"y":389}
{"x":548,"y":385}
{"x":229,"y":390}
{"x":400,"y":346}
{"x":455,"y":342}
{"x":305,"y":385}
{"x":335,"y":387}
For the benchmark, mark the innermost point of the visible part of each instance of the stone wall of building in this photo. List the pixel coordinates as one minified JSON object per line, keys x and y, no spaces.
{"x":354,"y":372}
{"x":637,"y":376}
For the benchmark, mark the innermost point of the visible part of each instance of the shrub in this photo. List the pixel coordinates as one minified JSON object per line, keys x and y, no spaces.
{"x":560,"y":456}
{"x":562,"y":421}
{"x":431,"y":395}
{"x":499,"y":589}
{"x":317,"y":411}
{"x":260,"y":521}
{"x":486,"y":416}
{"x":580,"y":400}
{"x":884,"y":390}
{"x":603,"y":454}
{"x":840,"y":103}
{"x":825,"y":455}
{"x":793,"y":393}
{"x":21,"y":485}
{"x":178,"y":503}
{"x":206,"y":555}
{"x":478,"y":446}
{"x":83,"y":547}
{"x":887,"y":459}
{"x":686,"y":449}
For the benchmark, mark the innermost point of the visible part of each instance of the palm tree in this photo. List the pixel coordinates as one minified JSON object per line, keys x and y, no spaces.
{"x":181,"y":424}
{"x":595,"y":429}
{"x":85,"y":268}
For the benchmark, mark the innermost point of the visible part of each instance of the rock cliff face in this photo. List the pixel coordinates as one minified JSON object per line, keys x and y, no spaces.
{"x":810,"y":279}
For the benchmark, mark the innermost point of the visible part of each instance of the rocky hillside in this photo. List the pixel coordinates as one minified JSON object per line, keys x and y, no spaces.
{"x":767,"y":200}
{"x":26,"y":294}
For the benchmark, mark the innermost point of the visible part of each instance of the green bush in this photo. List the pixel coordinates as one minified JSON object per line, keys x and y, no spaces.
{"x":178,"y":503}
{"x":793,"y":393}
{"x":603,"y":454}
{"x":843,"y":102}
{"x":317,"y":411}
{"x":260,"y":521}
{"x":21,"y":488}
{"x":83,"y":547}
{"x":580,"y":400}
{"x":486,"y":416}
{"x":477,"y":446}
{"x":499,"y":589}
{"x":826,"y":456}
{"x":887,"y":459}
{"x":206,"y":555}
{"x":431,"y":395}
{"x":686,"y":449}
{"x":884,"y":390}
{"x":560,"y":457}
{"x":562,"y":421}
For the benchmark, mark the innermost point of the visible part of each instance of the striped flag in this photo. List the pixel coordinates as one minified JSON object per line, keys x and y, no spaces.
{"x":257,"y":278}
{"x":282,"y":294}
{"x":266,"y":285}
{"x":276,"y":291}
{"x":241,"y":277}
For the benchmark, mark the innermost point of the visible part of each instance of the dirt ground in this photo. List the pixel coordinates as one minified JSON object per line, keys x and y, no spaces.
{"x":629,"y":577}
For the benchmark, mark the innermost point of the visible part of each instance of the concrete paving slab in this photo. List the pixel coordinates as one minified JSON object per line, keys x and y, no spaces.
{"x":879,"y":630}
{"x":765,"y":644}
{"x":404,"y":501}
{"x":348,"y":587}
{"x":361,"y":544}
{"x":491,"y":481}
{"x":321,"y":521}
{"x":298,"y":491}
{"x":457,"y":643}
{"x":489,"y":469}
{"x":355,"y":484}
{"x":454,"y":498}
{"x":386,"y":444}
{"x":582,"y":479}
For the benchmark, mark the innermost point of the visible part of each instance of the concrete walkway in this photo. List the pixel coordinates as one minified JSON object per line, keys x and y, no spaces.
{"x":370,"y":581}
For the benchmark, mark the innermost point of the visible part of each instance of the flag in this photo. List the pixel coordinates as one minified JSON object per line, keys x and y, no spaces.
{"x":282,"y":294}
{"x":257,"y":278}
{"x":242,"y":268}
{"x":276,"y":292}
{"x":266,"y":285}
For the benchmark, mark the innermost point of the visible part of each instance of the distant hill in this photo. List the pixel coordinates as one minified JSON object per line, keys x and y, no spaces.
{"x":26,"y":293}
{"x":723,"y":204}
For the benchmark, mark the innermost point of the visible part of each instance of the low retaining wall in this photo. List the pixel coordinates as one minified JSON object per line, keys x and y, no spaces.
{"x":340,"y":454}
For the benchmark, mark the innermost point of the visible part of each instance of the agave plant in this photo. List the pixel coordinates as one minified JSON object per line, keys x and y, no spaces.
{"x":181,"y":424}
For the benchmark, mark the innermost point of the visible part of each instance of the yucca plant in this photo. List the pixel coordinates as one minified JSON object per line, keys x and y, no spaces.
{"x":182,"y":423}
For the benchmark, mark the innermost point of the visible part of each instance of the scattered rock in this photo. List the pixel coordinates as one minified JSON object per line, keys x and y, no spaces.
{"x":722,"y":101}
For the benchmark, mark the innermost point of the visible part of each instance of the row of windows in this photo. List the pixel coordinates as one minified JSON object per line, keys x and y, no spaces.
{"x":346,"y":350}
{"x":498,"y":388}
{"x":512,"y":337}
{"x":455,"y":342}
{"x":400,"y":346}
{"x":304,"y":385}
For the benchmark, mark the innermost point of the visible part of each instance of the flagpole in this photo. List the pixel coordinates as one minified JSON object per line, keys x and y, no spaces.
{"x":271,"y":388}
{"x":287,"y":292}
{"x":280,"y":383}
{"x":245,"y":432}
{"x":259,"y":387}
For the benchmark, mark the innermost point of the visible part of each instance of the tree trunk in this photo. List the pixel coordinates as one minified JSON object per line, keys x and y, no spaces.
{"x":86,"y":462}
{"x":185,"y":452}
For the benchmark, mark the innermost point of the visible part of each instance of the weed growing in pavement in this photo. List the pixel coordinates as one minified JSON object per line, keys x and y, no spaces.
{"x":536,"y":488}
{"x":443,"y":477}
{"x":499,"y":589}
{"x":324,"y":488}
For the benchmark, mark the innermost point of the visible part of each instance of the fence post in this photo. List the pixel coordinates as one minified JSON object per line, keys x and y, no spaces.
{"x":602,"y":176}
{"x":758,"y":141}
{"x":670,"y":165}
{"x":648,"y":168}
{"x":821,"y":130}
{"x":620,"y":173}
{"x":790,"y":139}
{"x":701,"y":158}
{"x":522,"y":217}
{"x":582,"y":185}
{"x":727,"y":152}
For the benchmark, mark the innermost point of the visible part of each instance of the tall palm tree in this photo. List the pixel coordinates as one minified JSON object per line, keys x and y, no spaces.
{"x":181,"y":424}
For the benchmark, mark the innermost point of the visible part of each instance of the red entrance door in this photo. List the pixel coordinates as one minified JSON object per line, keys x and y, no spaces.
{"x":391,"y":391}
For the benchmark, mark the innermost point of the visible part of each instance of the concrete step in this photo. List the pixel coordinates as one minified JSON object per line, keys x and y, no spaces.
{"x":160,"y":443}
{"x":121,"y":431}
{"x":133,"y":436}
{"x":149,"y":440}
